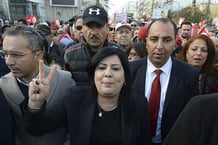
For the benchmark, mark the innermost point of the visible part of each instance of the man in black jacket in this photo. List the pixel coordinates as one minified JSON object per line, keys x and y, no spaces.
{"x":95,"y":31}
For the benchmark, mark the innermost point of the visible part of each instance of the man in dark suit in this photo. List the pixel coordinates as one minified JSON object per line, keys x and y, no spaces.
{"x":197,"y":124}
{"x":178,"y":80}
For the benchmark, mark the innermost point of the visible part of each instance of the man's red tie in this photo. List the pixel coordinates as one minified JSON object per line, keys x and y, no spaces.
{"x":154,"y":102}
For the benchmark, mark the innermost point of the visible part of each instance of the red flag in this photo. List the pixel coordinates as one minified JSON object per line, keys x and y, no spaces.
{"x":204,"y":31}
{"x":201,"y":24}
{"x":34,"y":19}
{"x":66,"y":35}
{"x":29,"y":19}
{"x":57,"y":22}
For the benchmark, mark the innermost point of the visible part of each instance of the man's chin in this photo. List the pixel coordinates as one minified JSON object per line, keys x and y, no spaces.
{"x":185,"y":37}
{"x":95,"y":47}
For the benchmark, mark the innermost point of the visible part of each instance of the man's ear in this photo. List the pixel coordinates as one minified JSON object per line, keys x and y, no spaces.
{"x":39,"y":55}
{"x":107,"y":27}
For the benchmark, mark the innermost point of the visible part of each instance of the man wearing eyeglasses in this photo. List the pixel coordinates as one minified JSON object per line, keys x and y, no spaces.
{"x":112,"y":35}
{"x":23,"y":50}
{"x":78,"y":25}
{"x":134,"y":25}
{"x":95,"y":30}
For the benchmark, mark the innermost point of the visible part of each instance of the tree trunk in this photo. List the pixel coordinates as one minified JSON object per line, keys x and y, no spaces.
{"x":193,"y":6}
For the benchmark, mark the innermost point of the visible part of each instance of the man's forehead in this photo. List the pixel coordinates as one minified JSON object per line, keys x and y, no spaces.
{"x":159,"y":28}
{"x":80,"y":20}
{"x":186,"y":26}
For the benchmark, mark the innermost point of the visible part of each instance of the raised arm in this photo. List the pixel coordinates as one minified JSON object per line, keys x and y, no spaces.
{"x":39,"y":88}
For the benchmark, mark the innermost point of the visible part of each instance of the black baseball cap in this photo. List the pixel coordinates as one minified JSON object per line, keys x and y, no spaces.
{"x":95,"y":14}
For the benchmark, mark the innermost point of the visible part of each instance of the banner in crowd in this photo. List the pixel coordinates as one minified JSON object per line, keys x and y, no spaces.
{"x":123,"y":17}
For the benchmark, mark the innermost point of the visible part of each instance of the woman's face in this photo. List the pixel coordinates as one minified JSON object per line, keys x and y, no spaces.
{"x":109,"y":77}
{"x":197,"y":53}
{"x":133,"y":55}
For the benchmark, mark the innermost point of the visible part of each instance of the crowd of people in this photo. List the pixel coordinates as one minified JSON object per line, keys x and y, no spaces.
{"x":88,"y":82}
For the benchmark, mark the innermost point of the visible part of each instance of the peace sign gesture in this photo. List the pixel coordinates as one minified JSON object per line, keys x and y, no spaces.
{"x":39,"y":88}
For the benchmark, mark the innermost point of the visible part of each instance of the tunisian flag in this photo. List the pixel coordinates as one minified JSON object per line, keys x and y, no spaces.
{"x":204,"y":31}
{"x":34,"y":19}
{"x":29,"y":19}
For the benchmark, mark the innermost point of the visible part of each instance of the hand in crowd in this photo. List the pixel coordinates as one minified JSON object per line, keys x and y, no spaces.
{"x":39,"y":88}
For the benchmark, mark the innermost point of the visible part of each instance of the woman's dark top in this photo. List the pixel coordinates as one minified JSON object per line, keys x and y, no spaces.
{"x":106,"y":127}
{"x":208,"y":83}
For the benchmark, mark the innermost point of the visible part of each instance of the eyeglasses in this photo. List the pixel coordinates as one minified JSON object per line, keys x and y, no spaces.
{"x":112,"y":29}
{"x":133,"y":25}
{"x":79,"y":28}
{"x":14,"y":54}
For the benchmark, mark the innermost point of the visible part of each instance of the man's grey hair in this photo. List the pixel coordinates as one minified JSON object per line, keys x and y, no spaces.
{"x":35,"y":41}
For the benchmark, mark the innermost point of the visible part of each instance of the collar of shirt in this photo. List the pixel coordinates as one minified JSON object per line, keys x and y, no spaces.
{"x":26,"y":84}
{"x":52,"y":43}
{"x":166,"y":68}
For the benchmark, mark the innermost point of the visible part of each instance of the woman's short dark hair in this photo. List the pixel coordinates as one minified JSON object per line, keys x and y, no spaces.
{"x":140,"y":49}
{"x":210,"y":61}
{"x":100,"y":55}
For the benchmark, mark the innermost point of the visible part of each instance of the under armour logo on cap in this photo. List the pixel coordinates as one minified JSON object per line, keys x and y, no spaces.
{"x":96,"y":14}
{"x":97,"y":11}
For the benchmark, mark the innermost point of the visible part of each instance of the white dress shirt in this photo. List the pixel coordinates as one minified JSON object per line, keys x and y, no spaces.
{"x":164,"y":81}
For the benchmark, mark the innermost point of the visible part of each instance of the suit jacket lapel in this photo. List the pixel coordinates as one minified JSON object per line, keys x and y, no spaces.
{"x":87,"y":111}
{"x":173,"y":82}
{"x":12,"y":91}
{"x":141,"y":80}
{"x":53,"y":83}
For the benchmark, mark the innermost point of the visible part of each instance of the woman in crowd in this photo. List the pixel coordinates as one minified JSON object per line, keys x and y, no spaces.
{"x":199,"y":51}
{"x":137,"y":51}
{"x":106,"y":114}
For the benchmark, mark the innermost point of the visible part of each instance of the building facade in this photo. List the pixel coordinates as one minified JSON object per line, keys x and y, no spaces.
{"x":44,"y":9}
